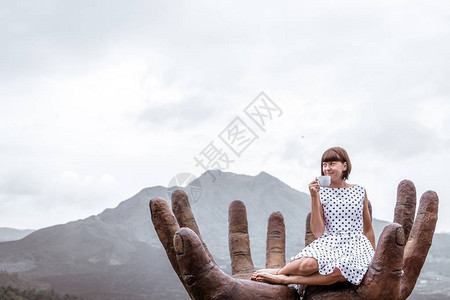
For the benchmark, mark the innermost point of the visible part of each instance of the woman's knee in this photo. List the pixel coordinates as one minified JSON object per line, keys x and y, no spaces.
{"x":308,"y":264}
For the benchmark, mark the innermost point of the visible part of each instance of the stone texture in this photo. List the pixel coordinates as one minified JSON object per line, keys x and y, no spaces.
{"x":276,"y":241}
{"x":405,"y":207}
{"x":239,"y":240}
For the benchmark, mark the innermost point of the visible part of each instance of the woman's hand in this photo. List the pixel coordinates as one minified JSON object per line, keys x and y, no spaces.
{"x":317,"y":219}
{"x":314,"y":187}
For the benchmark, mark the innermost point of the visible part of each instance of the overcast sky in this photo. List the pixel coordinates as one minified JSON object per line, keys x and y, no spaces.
{"x":100,"y":99}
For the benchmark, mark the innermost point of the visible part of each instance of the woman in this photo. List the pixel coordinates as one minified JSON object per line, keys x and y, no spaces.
{"x":340,"y":220}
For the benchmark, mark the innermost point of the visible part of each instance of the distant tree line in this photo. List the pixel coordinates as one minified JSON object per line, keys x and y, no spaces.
{"x":12,"y":287}
{"x":9,"y":293}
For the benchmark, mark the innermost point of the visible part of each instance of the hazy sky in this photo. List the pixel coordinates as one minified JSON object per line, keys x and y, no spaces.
{"x":100,"y":99}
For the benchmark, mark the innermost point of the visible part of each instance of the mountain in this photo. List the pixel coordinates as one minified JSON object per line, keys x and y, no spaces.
{"x":117,"y":254}
{"x":11,"y":234}
{"x":114,"y":255}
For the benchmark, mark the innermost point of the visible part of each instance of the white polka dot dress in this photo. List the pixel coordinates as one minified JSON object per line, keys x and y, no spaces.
{"x":343,"y":244}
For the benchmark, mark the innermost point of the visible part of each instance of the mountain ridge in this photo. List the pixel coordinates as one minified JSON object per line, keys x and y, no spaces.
{"x":12,"y":234}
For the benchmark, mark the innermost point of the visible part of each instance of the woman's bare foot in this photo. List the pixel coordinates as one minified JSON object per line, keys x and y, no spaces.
{"x":269,"y":278}
{"x":268,"y":271}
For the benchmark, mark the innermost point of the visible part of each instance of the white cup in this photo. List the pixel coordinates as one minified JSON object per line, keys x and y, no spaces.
{"x":324,"y":180}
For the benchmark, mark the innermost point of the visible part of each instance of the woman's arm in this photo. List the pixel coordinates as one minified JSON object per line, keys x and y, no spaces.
{"x":317,"y":222}
{"x":367,"y":222}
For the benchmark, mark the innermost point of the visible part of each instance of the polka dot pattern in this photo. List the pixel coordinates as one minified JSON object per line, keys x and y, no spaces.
{"x":343,"y":244}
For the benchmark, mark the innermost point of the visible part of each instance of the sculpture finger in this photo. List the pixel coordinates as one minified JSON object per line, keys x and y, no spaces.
{"x":276,"y":241}
{"x":205,"y":280}
{"x":309,"y":235}
{"x":419,"y":241}
{"x":166,"y":226}
{"x":405,"y":207}
{"x":382,"y":280}
{"x":239,"y":241}
{"x":182,"y":210}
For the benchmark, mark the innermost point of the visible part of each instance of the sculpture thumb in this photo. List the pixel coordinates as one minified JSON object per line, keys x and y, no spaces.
{"x":203,"y":278}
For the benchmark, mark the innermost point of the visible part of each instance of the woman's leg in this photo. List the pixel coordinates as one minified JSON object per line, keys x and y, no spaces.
{"x":314,"y":279}
{"x":303,"y":266}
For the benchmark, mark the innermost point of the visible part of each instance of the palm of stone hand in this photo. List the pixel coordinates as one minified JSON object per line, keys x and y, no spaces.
{"x":401,"y":252}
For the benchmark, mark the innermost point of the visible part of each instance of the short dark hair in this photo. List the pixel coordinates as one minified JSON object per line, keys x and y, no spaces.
{"x":337,"y":154}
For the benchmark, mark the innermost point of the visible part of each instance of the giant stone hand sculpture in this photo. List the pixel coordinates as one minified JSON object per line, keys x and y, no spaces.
{"x":401,"y":252}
